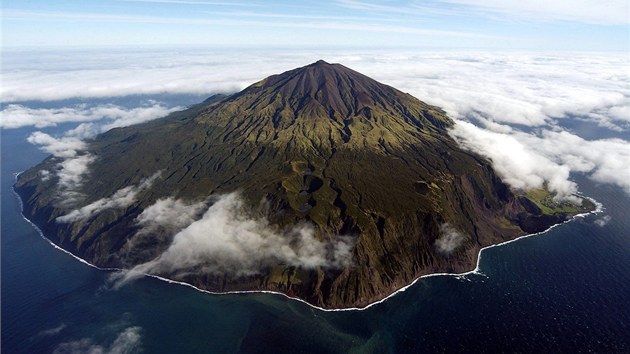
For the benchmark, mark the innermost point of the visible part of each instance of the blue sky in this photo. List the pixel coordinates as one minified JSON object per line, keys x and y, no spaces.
{"x":480,"y":24}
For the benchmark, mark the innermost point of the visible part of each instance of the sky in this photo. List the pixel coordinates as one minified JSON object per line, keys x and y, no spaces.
{"x":591,"y":25}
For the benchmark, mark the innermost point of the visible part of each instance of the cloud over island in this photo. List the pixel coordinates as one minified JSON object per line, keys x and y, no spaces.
{"x":229,"y":240}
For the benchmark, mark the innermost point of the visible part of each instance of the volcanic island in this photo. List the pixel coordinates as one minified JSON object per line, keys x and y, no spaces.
{"x":350,"y":188}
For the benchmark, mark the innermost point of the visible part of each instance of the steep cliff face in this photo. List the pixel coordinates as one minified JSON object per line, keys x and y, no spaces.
{"x":321,"y":145}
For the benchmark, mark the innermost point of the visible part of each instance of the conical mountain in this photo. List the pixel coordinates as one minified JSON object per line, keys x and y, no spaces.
{"x":322,"y":146}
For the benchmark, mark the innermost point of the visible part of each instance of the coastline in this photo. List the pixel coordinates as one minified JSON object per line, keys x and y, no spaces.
{"x":599,"y":208}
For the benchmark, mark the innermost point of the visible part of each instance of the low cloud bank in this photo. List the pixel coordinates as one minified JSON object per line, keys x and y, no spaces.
{"x":122,"y":198}
{"x":503,"y":91}
{"x":449,"y":239}
{"x":17,"y":116}
{"x":531,"y":89}
{"x":512,"y":88}
{"x":40,"y":75}
{"x":517,"y":164}
{"x":127,"y":341}
{"x":228,"y":240}
{"x":527,"y":161}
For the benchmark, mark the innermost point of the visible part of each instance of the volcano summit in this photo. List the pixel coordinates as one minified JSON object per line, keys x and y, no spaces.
{"x":319,"y":182}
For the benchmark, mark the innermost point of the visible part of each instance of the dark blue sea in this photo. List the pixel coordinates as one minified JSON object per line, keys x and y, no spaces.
{"x":567,"y":290}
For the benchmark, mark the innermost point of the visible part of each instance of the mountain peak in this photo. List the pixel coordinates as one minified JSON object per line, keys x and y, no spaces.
{"x":320,"y":62}
{"x":332,"y":95}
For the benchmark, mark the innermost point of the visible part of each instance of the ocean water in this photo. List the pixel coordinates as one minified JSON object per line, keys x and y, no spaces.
{"x":567,"y":290}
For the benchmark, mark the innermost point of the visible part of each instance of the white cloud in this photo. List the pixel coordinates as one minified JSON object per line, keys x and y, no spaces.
{"x":127,"y":117}
{"x":71,"y":168}
{"x":66,"y":147}
{"x":449,"y":239}
{"x":127,"y":341}
{"x":44,"y":175}
{"x":71,"y":173}
{"x":74,"y":166}
{"x":512,"y":88}
{"x":517,"y":164}
{"x":122,"y":198}
{"x":16,"y":116}
{"x":527,"y":161}
{"x":169,"y":213}
{"x":531,"y":89}
{"x":227,"y":240}
{"x":603,"y":160}
{"x":503,"y":91}
{"x":162,"y":220}
{"x":43,"y":76}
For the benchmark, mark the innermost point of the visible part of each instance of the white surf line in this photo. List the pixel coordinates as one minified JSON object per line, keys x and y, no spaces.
{"x":48,"y":240}
{"x":599,"y":209}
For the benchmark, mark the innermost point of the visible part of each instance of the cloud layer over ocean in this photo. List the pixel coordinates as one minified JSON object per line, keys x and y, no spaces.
{"x":519,"y":101}
{"x":112,"y":116}
{"x":511,"y":87}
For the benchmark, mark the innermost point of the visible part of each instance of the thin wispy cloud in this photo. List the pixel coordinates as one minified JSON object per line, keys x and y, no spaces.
{"x":535,"y":24}
{"x":327,"y":18}
{"x":200,"y":2}
{"x":121,"y":199}
{"x":127,"y":341}
{"x":449,"y":239}
{"x":614,"y":12}
{"x":610,"y":12}
{"x":314,"y":24}
{"x":52,"y":331}
{"x":72,"y":165}
{"x":404,"y":9}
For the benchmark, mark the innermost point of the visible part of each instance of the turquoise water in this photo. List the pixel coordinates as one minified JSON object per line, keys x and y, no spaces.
{"x":566,"y":290}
